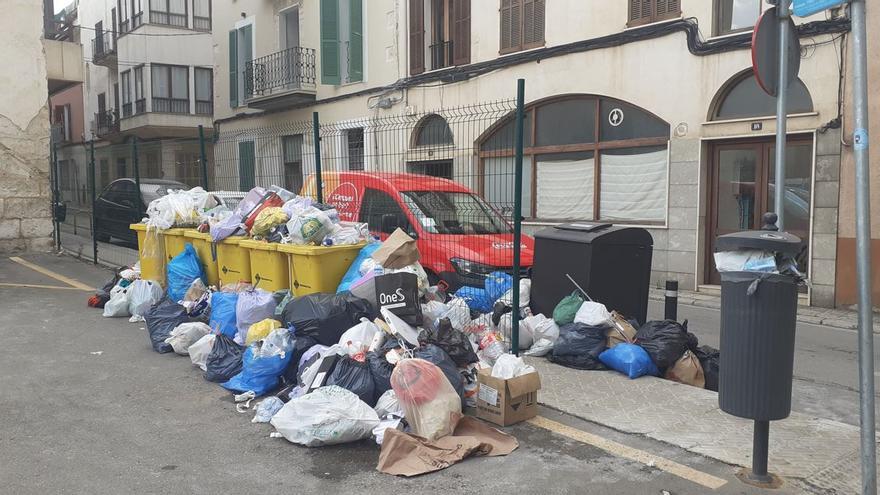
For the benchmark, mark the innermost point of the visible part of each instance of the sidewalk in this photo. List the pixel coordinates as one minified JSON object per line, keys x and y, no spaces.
{"x":837,"y":318}
{"x":817,"y":454}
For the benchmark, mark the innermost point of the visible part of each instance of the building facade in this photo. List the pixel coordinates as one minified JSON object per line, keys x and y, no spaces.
{"x":643,"y":112}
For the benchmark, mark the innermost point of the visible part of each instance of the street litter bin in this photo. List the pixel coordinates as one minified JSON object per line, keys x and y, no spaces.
{"x":207,"y":252}
{"x":175,"y":242}
{"x":269,"y":266}
{"x":152,"y":267}
{"x":233,"y":261}
{"x":612,"y":263}
{"x":316,"y":269}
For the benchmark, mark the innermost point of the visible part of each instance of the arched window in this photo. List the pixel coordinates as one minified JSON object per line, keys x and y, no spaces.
{"x":741,"y":98}
{"x":432,"y":130}
{"x":585,"y":158}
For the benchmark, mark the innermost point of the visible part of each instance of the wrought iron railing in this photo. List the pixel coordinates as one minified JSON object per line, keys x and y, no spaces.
{"x":102,"y":46}
{"x":140,"y":106}
{"x":167,"y":18}
{"x":126,"y":109}
{"x":204,"y":107}
{"x":106,"y":122}
{"x":293,"y":68}
{"x":201,"y":23}
{"x":170,"y":105}
{"x":441,"y":55}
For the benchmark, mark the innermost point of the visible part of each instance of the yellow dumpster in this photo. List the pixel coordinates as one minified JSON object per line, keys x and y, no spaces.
{"x":152,"y":267}
{"x":318,"y":268}
{"x":233,"y":261}
{"x":207,"y":252}
{"x":175,"y":242}
{"x":268,"y":265}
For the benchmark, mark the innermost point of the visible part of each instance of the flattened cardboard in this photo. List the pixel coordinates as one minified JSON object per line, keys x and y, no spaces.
{"x":516,"y":399}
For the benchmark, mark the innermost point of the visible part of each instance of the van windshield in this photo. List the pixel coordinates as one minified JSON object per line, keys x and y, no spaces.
{"x":442,"y":212}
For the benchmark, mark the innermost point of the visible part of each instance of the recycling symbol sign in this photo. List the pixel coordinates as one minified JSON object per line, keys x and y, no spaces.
{"x":615,"y":117}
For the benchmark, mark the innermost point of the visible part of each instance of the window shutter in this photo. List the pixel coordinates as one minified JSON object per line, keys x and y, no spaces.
{"x":461,"y":32}
{"x":504,"y":15}
{"x":330,"y":73}
{"x":416,"y":36}
{"x":247,"y":54}
{"x":516,"y":24}
{"x":233,"y":68}
{"x":533,"y":22}
{"x":356,"y":41}
{"x":667,"y":9}
{"x":246,"y":166}
{"x":640,"y":11}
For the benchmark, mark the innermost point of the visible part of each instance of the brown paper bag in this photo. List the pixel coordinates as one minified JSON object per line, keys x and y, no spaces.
{"x":687,"y":370}
{"x":620,"y":332}
{"x":398,"y":250}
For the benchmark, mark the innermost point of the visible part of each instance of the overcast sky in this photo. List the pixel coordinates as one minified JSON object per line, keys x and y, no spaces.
{"x":60,"y":4}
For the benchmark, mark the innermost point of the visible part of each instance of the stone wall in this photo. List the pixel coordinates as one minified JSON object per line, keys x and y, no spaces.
{"x":25,"y":216}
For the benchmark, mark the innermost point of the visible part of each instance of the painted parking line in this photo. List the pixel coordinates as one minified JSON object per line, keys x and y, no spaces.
{"x":620,"y":450}
{"x":73,"y":283}
{"x":38,"y":286}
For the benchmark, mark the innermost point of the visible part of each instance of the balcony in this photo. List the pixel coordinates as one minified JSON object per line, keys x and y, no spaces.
{"x":106,"y":123}
{"x":281,"y":79}
{"x":104,"y":51}
{"x":167,"y":18}
{"x":441,"y":55}
{"x":170,"y":105}
{"x":64,"y":67}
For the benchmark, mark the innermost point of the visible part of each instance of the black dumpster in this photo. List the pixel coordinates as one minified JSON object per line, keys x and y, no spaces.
{"x":611,"y":263}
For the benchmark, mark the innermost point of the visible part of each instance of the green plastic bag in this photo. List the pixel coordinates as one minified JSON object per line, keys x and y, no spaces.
{"x":564,"y":312}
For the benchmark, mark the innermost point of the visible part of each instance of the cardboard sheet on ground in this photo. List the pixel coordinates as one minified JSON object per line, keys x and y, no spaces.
{"x":408,"y":455}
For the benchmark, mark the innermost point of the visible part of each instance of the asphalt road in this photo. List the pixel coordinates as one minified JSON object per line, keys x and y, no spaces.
{"x":88,"y":407}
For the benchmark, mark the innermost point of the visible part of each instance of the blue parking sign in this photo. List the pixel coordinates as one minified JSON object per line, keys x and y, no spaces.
{"x":804,"y":8}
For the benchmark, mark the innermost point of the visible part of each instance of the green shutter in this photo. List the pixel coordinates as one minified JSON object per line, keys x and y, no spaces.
{"x":356,"y":41}
{"x":233,"y":69}
{"x":330,"y":73}
{"x":246,"y":166}
{"x":247,"y":51}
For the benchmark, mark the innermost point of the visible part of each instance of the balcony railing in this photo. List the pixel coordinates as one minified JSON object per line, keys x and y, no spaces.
{"x":441,"y":55}
{"x":201,"y":23}
{"x":290,"y":69}
{"x":204,"y":107}
{"x":170,"y":105}
{"x":106,"y":122}
{"x":167,"y":18}
{"x":140,"y":106}
{"x":102,"y":46}
{"x":126,"y":110}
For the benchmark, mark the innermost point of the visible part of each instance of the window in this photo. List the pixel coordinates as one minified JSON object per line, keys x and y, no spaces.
{"x":170,"y":12}
{"x":247,"y":161}
{"x":137,"y":13}
{"x":140,"y":103}
{"x":439,"y":32}
{"x":61,"y":118}
{"x":436,"y":168}
{"x":648,"y":11}
{"x":154,"y":167}
{"x":121,"y":168}
{"x":204,"y":91}
{"x":576,"y":170}
{"x":742,"y":98}
{"x":188,"y":167}
{"x":241,"y":48}
{"x":292,"y":157}
{"x":355,"y":142}
{"x":377,"y":205}
{"x":202,"y":15}
{"x":733,"y":16}
{"x":522,"y":25}
{"x":170,"y":88}
{"x":124,"y":24}
{"x":126,"y":93}
{"x":342,"y":41}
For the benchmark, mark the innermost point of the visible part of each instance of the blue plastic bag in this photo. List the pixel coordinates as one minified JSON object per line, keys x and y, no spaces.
{"x":259,"y":374}
{"x":476,"y":298}
{"x":183,"y":270}
{"x":497,"y":283}
{"x":629,"y":359}
{"x":354,"y":271}
{"x":223,"y":313}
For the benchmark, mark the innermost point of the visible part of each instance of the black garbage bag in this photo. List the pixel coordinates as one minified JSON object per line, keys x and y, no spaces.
{"x":453,"y":341}
{"x":325,"y":317}
{"x":709,"y":358}
{"x":301,"y":344}
{"x":438,"y":356}
{"x":161,"y":319}
{"x":380,"y":370}
{"x":499,"y":310}
{"x":224,"y":361}
{"x":355,"y":377}
{"x":579,"y":346}
{"x":665,"y":341}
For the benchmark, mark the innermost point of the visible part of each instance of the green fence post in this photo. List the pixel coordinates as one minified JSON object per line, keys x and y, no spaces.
{"x":517,"y":211}
{"x":137,"y":175}
{"x":94,"y":186}
{"x":316,"y":129}
{"x":203,"y":157}
{"x":56,"y":197}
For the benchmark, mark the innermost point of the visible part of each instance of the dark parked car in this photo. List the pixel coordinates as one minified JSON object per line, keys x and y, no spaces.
{"x":116,"y":208}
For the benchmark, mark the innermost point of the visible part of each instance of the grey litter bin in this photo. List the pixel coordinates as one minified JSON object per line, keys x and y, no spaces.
{"x":758,"y":318}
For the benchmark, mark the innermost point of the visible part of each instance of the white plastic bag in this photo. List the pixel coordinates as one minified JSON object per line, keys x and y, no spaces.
{"x":593,"y":314}
{"x":276,"y":343}
{"x":508,"y":366}
{"x":505,"y":327}
{"x":358,"y":338}
{"x":185,"y":335}
{"x":459,"y":313}
{"x":308,"y":227}
{"x":428,"y":399}
{"x":541,"y":327}
{"x":541,"y":347}
{"x":752,"y":260}
{"x":143,"y":294}
{"x":525,"y":289}
{"x":417,"y":270}
{"x":311,"y":371}
{"x":266,"y":409}
{"x":392,"y":422}
{"x":329,"y":415}
{"x":400,"y":328}
{"x":433,"y":311}
{"x":117,"y":306}
{"x":388,"y":404}
{"x":201,"y":349}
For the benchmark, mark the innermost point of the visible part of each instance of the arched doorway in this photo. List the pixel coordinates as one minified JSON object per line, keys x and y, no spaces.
{"x":432,"y":143}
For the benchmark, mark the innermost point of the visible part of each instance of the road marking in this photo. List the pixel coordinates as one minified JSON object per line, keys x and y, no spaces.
{"x":620,"y":450}
{"x":38,"y":286}
{"x":49,"y":273}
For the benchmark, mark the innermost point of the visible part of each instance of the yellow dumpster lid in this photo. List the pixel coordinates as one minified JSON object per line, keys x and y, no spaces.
{"x":195,"y":234}
{"x":261,"y":245}
{"x":236,"y":240}
{"x":175,"y":231}
{"x":138,"y":226}
{"x":318,"y":250}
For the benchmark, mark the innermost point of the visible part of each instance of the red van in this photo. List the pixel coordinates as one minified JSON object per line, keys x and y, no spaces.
{"x":460,"y":237}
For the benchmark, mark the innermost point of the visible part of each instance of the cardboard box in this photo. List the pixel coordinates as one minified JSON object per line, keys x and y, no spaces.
{"x":507,"y":402}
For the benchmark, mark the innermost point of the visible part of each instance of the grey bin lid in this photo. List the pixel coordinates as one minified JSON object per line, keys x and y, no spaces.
{"x":597,"y":233}
{"x":777,"y":242}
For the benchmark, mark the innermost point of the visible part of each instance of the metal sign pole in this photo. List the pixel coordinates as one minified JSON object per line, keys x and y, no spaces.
{"x":781,"y":113}
{"x":863,"y":248}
